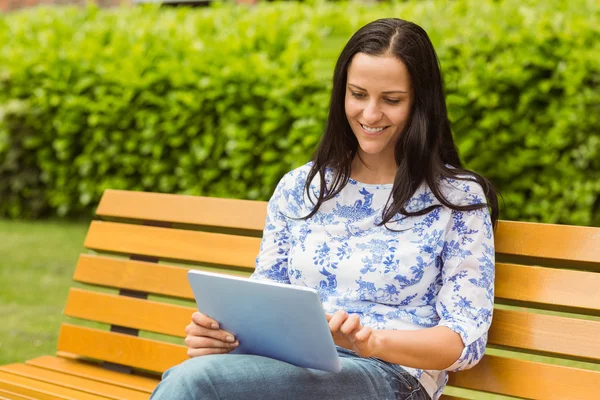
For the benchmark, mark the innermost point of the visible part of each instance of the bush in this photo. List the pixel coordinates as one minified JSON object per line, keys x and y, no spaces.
{"x":223,"y":101}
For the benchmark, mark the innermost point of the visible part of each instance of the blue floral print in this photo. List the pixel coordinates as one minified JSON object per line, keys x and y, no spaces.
{"x":424,"y":271}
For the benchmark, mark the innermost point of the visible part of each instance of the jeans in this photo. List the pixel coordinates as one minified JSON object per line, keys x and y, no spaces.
{"x":238,"y":377}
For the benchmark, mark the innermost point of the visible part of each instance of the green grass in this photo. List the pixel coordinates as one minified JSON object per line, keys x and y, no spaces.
{"x":38,"y":260}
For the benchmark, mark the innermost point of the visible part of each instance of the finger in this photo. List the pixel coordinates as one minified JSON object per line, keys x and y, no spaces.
{"x":204,"y":352}
{"x":204,"y":320}
{"x":328,"y":316}
{"x":337,"y":320}
{"x":363,"y":335}
{"x":351,"y":325}
{"x":198,"y":342}
{"x":219,"y":334}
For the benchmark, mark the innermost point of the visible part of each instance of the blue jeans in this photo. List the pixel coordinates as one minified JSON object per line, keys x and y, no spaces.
{"x":238,"y":377}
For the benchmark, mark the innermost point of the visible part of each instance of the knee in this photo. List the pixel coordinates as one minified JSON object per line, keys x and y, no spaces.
{"x":188,"y":380}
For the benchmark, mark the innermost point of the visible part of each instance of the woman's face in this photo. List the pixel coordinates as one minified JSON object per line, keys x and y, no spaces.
{"x":378,"y":103}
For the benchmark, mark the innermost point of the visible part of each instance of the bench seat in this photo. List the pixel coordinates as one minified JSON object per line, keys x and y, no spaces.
{"x":129,"y":305}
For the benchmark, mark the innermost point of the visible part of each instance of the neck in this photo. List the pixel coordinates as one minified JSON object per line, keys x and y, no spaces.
{"x":373,"y":169}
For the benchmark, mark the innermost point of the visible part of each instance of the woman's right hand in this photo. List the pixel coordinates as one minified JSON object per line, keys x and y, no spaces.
{"x":204,"y":337}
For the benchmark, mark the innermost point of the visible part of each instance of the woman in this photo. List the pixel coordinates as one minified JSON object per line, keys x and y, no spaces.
{"x":390,"y":229}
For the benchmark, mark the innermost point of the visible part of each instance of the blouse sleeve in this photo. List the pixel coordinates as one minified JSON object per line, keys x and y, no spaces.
{"x":466,"y":300}
{"x":272,"y":260}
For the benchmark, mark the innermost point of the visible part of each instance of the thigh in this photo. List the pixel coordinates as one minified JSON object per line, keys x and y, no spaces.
{"x":229,"y":377}
{"x":406,"y":386}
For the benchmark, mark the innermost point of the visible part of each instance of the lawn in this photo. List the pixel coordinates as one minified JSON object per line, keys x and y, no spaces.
{"x":38,"y":260}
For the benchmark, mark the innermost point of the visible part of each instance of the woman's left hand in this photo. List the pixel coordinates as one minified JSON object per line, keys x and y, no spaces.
{"x":348,"y":333}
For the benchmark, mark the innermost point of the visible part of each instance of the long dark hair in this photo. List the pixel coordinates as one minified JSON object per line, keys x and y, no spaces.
{"x":425,"y":151}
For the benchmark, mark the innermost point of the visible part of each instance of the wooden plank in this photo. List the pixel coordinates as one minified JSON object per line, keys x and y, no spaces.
{"x":132,"y":351}
{"x":566,"y":336}
{"x":549,"y":241}
{"x":551,"y":286}
{"x":74,"y":382}
{"x":5,"y":394}
{"x":196,"y":210}
{"x":139,"y":276}
{"x":95,"y":372}
{"x":41,"y":390}
{"x":133,"y":275}
{"x":521,"y":283}
{"x":528,"y":379}
{"x":176,"y":244}
{"x":547,"y":333}
{"x":115,"y":378}
{"x":130,"y":312}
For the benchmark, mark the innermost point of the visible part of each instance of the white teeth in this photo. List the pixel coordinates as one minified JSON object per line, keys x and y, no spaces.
{"x":372,"y":130}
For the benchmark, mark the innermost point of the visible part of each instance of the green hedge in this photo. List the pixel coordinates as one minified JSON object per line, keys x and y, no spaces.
{"x":223,"y":101}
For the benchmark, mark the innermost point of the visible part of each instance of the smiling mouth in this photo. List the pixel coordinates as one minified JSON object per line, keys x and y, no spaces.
{"x":372,"y":130}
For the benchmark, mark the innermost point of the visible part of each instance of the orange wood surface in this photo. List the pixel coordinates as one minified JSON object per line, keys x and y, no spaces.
{"x":145,"y":277}
{"x":125,"y":311}
{"x":516,"y":282}
{"x":133,"y":275}
{"x":528,"y":379}
{"x":95,"y":372}
{"x":74,"y":382}
{"x":196,"y":210}
{"x":566,"y":336}
{"x":560,"y":242}
{"x":557,"y":242}
{"x":41,"y":390}
{"x":118,"y":348}
{"x":177,"y":244}
{"x":5,"y":394}
{"x":548,"y":286}
{"x":548,"y":333}
{"x":531,"y":286}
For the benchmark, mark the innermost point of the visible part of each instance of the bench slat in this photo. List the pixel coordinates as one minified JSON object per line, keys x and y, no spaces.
{"x":130,"y":312}
{"x":195,"y":210}
{"x":74,"y":382}
{"x":548,"y":333}
{"x":175,"y":244}
{"x":548,"y":241}
{"x":132,"y":351}
{"x":133,"y":275}
{"x":558,"y":242}
{"x":529,"y":331}
{"x":5,"y":394}
{"x":95,"y":372}
{"x":565,"y":288}
{"x":140,"y":276}
{"x":529,"y":379}
{"x":41,"y":390}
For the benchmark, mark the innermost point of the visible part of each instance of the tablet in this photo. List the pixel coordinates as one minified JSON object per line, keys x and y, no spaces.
{"x":269,"y":319}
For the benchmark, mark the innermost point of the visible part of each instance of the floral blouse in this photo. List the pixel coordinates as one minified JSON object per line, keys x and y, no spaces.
{"x":424,"y":271}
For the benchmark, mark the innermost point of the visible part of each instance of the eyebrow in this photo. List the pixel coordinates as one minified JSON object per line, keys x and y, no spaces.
{"x":388,"y":92}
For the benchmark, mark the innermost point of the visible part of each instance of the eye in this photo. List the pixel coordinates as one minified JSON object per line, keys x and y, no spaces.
{"x":357,"y":95}
{"x":392,"y":101}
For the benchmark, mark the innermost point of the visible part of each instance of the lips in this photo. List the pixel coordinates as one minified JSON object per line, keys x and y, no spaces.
{"x":372,"y":131}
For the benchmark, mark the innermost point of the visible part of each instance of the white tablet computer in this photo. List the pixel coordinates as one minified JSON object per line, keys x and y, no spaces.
{"x":269,"y":319}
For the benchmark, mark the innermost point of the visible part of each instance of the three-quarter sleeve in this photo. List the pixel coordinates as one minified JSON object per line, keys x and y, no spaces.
{"x":466,"y":300}
{"x":272,"y":259}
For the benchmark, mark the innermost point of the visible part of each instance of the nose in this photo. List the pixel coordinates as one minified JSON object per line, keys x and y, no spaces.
{"x":371,"y":113}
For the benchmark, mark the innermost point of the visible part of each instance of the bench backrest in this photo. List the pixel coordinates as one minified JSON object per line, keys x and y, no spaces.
{"x":547,"y":292}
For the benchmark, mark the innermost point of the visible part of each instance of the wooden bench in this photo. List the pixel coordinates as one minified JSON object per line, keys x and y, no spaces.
{"x":547,"y":291}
